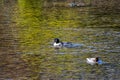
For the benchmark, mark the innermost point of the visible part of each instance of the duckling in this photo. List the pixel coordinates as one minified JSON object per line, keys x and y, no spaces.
{"x":93,"y":61}
{"x":57,"y":44}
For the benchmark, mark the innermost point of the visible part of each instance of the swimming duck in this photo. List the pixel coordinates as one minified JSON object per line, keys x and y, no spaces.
{"x":93,"y":61}
{"x":57,"y":43}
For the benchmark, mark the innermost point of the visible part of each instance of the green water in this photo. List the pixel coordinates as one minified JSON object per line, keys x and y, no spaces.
{"x":36,"y":27}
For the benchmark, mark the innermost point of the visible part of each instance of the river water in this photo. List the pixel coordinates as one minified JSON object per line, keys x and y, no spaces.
{"x":27,"y":34}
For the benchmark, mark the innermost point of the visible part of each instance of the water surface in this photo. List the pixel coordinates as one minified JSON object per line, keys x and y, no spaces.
{"x":33,"y":29}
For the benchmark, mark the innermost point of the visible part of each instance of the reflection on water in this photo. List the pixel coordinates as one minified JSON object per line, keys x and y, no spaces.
{"x":37,"y":27}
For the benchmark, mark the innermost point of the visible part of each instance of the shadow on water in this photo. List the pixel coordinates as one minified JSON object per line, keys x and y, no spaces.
{"x":32,"y":28}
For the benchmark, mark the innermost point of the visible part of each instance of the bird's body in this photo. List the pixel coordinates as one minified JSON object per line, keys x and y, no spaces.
{"x":91,"y":61}
{"x":94,"y":61}
{"x":57,"y":44}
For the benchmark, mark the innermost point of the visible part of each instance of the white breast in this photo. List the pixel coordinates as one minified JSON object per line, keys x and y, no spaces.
{"x":57,"y":45}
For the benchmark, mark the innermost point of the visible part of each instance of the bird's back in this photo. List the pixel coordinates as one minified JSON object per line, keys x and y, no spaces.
{"x":91,"y":61}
